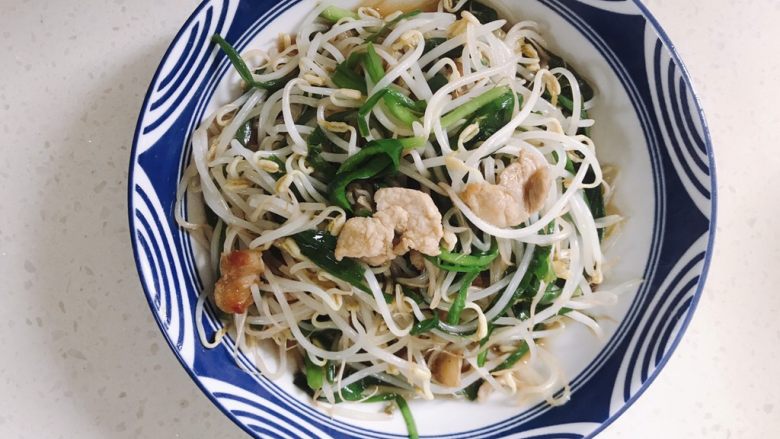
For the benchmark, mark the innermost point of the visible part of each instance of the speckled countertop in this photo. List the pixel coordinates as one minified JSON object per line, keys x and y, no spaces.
{"x":81,"y":356}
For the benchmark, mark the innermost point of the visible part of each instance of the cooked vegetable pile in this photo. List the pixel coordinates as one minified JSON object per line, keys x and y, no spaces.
{"x":405,"y":206}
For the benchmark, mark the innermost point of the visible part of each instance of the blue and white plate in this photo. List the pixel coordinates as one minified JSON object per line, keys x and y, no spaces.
{"x":649,"y":124}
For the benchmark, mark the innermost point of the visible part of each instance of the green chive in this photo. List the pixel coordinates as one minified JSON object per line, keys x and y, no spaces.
{"x":472,"y":106}
{"x":411,"y":426}
{"x":453,"y":315}
{"x":334,"y":14}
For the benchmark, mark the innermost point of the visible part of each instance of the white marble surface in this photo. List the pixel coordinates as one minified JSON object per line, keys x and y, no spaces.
{"x":81,"y":356}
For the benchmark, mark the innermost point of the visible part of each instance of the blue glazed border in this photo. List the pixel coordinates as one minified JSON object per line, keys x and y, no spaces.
{"x":131,"y":213}
{"x":712,"y":218}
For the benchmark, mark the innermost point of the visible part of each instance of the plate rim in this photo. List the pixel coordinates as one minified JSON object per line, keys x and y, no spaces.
{"x":713,"y":220}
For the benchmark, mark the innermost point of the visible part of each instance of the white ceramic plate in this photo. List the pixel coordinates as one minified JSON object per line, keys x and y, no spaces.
{"x":648,"y":123}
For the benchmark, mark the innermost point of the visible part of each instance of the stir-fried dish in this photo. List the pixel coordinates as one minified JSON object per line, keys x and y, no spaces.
{"x":404,"y":206}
